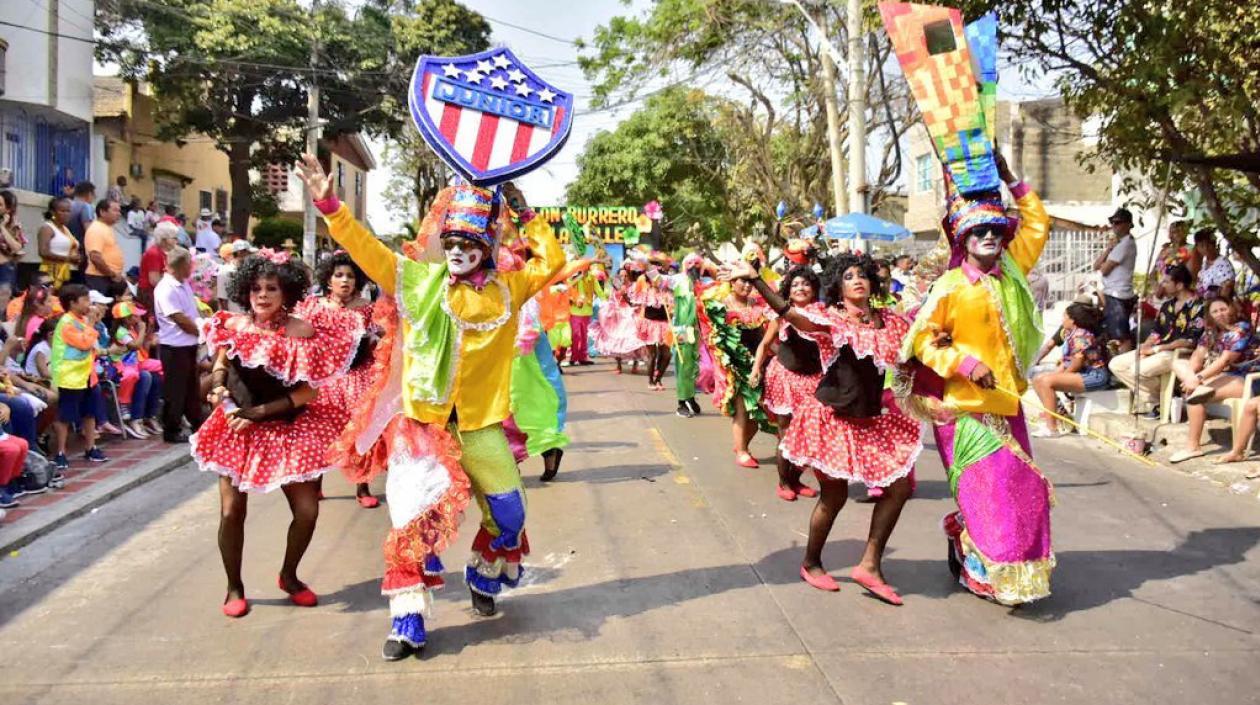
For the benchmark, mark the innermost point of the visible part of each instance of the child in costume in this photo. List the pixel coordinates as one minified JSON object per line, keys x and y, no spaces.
{"x":654,"y":296}
{"x":686,"y":330}
{"x":618,"y":335}
{"x":435,"y":416}
{"x":583,"y":291}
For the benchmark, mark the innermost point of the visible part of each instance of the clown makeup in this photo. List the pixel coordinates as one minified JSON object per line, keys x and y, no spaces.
{"x":984,"y":243}
{"x":855,"y":287}
{"x":463,"y":256}
{"x":802,"y":292}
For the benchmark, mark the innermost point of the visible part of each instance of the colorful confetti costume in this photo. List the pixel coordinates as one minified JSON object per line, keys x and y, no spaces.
{"x":877,"y":445}
{"x":686,"y":335}
{"x":441,"y":391}
{"x":617,"y":335}
{"x":265,"y":365}
{"x":732,"y":332}
{"x":539,"y":401}
{"x":1001,"y":531}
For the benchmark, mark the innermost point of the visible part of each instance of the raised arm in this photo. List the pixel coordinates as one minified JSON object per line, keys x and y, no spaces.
{"x":546,"y":259}
{"x":781,"y":306}
{"x":1034,"y":223}
{"x":376,"y":260}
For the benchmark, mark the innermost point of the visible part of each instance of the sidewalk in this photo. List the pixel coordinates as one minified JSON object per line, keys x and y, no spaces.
{"x":88,"y":485}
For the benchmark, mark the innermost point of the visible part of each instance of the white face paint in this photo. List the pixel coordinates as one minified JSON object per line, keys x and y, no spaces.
{"x":984,"y":243}
{"x":463,"y":256}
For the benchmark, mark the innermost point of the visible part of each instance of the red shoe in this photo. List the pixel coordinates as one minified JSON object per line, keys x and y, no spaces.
{"x":876,"y":587}
{"x":822,"y":582}
{"x":746,"y":460}
{"x":368,"y":501}
{"x":320,"y":497}
{"x":236,"y":608}
{"x":805,"y":491}
{"x":302,"y":598}
{"x":785,"y":493}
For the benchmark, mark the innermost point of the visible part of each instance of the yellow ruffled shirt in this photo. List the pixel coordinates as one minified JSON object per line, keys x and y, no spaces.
{"x":481,"y":393}
{"x":972,"y":317}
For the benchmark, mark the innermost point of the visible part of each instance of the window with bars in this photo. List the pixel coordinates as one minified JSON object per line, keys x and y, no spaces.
{"x":205,"y":200}
{"x":220,"y":201}
{"x":168,"y":191}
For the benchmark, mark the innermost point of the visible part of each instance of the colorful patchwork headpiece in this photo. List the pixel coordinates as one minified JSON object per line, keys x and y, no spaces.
{"x":468,"y":214}
{"x":797,"y":251}
{"x":964,"y":214}
{"x":692,"y":260}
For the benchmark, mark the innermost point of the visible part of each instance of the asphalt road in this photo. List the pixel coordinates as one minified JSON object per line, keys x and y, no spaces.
{"x":662,"y":573}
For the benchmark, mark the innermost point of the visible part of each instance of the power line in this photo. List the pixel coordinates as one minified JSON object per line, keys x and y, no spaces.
{"x":534,"y":32}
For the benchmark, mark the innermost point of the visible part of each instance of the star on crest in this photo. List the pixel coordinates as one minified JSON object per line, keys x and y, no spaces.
{"x":523,"y":89}
{"x":450,"y":71}
{"x":501,"y":61}
{"x":515,"y":76}
{"x":498,"y":83}
{"x":546,"y":95}
{"x":475,"y":74}
{"x":484,"y":66}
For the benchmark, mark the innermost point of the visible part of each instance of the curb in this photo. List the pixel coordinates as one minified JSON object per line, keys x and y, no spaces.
{"x":20,"y":534}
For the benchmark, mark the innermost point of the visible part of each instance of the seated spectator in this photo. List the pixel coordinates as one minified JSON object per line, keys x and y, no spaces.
{"x":140,"y":388}
{"x":1083,"y":367}
{"x":12,"y":349}
{"x":1226,"y":353}
{"x":73,"y":359}
{"x":1178,"y":326}
{"x":1176,"y":252}
{"x":1246,"y":431}
{"x":13,"y":451}
{"x":40,"y":282}
{"x":1216,"y":276}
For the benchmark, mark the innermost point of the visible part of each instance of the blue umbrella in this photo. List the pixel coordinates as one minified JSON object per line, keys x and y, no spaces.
{"x":860,"y":226}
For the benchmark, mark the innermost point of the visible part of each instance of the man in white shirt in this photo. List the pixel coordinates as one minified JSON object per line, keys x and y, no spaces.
{"x":209,"y":239}
{"x":240,"y":250}
{"x":1116,"y":264}
{"x":137,"y":223}
{"x":175,"y":307}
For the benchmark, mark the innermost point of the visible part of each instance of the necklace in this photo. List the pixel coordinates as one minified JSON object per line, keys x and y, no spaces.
{"x":274,"y":325}
{"x":856,"y":313}
{"x":487,"y":326}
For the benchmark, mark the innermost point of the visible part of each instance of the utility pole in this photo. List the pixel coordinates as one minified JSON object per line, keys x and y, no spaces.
{"x":839,"y":200}
{"x":313,"y":133}
{"x":857,"y":110}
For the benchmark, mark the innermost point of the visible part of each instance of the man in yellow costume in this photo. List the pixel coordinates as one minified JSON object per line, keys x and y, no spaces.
{"x":442,"y":390}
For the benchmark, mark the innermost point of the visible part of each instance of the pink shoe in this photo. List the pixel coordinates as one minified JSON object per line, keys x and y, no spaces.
{"x":236,"y":608}
{"x":822,"y":582}
{"x":805,"y":491}
{"x":304,"y":597}
{"x":746,"y":460}
{"x":876,"y":587}
{"x":785,"y":493}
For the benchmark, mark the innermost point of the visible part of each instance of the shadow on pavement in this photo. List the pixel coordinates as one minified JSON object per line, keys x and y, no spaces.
{"x":1083,"y":581}
{"x":611,"y":473}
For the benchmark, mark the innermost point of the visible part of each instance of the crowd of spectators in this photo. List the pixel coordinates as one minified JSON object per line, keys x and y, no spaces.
{"x":93,"y":351}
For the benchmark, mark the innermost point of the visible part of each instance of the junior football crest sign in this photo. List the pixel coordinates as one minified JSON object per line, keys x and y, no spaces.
{"x":487,"y":115}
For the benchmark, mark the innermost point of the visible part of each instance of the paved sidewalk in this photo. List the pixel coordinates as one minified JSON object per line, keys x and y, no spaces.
{"x":131,"y":463}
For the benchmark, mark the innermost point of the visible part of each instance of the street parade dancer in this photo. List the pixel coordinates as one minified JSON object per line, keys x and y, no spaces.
{"x":851,"y":428}
{"x":342,"y":282}
{"x":978,"y":330}
{"x":271,"y":426}
{"x":539,"y":400}
{"x":793,"y":372}
{"x":618,"y":334}
{"x":653,"y":296}
{"x":686,"y":331}
{"x":435,"y":417}
{"x":733,"y":323}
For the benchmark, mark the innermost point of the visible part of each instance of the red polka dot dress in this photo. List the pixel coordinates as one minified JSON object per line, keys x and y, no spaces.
{"x":785,"y":388}
{"x":876,"y":450}
{"x":271,"y":453}
{"x":346,"y":391}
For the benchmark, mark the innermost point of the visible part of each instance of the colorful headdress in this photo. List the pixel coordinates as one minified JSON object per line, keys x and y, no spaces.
{"x":798,"y":251}
{"x":753,"y":252}
{"x":468,"y":214}
{"x":123,"y":309}
{"x":692,"y":261}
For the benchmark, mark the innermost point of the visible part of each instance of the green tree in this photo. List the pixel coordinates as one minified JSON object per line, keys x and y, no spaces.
{"x":763,"y":59}
{"x":668,"y":150}
{"x":238,"y":71}
{"x":415,"y":175}
{"x":1173,"y":83}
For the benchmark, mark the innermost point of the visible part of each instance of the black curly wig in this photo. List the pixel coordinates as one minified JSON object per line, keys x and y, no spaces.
{"x":833,"y":275}
{"x":292,"y":275}
{"x":803,"y":272}
{"x":329,"y":265}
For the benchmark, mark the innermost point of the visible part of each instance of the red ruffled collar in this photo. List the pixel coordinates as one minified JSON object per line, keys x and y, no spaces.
{"x":314,"y":360}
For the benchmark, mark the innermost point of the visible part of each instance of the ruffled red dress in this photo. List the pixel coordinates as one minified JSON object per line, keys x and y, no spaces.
{"x":275,"y":452}
{"x":348,"y":390}
{"x":793,"y":374}
{"x":874,"y":450}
